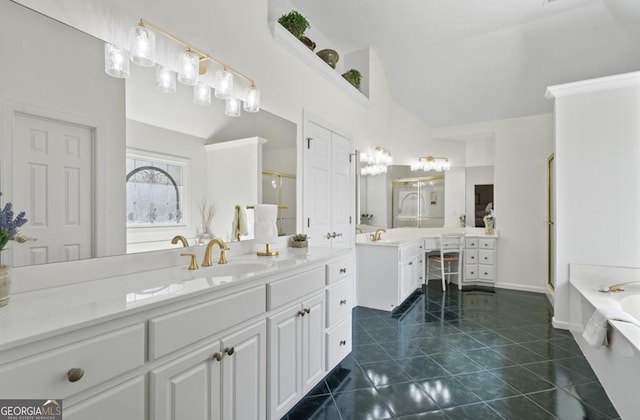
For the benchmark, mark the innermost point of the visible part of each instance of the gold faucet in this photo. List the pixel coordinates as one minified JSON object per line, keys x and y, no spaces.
{"x":375,"y":237}
{"x":180,"y":238}
{"x":206,"y":262}
{"x":193,"y":265}
{"x":358,"y":230}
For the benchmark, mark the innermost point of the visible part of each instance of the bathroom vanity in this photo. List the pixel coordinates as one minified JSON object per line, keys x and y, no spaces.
{"x":391,"y":268}
{"x":178,"y":344}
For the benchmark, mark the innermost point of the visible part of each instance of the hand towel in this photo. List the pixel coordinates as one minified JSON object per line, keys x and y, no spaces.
{"x":595,"y":333}
{"x":265,"y":228}
{"x":239,"y":225}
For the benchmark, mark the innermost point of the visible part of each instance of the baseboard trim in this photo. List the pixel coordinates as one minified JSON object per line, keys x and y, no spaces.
{"x":562,"y":325}
{"x":523,"y":288}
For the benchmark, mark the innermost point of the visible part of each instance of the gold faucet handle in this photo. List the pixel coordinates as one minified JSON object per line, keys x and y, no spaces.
{"x":223,"y":256}
{"x":193,"y":265}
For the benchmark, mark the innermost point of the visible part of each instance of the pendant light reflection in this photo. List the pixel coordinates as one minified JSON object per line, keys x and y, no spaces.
{"x":252,"y":99}
{"x":142,"y":42}
{"x":116,"y":61}
{"x":224,"y":84}
{"x":232,"y":107}
{"x":189,"y":64}
{"x":165,"y":79}
{"x":202,"y":94}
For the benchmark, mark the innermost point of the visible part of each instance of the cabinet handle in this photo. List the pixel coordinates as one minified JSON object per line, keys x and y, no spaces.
{"x":486,"y":258}
{"x":473,"y":258}
{"x":328,"y":235}
{"x":486,"y":274}
{"x":218,"y":356}
{"x":336,"y":235}
{"x":343,"y":270}
{"x":420,"y":246}
{"x":472,"y":273}
{"x":343,"y":302}
{"x":229,"y":350}
{"x":307,"y":310}
{"x":410,"y":262}
{"x":75,"y":374}
{"x":301,"y":313}
{"x":343,"y":342}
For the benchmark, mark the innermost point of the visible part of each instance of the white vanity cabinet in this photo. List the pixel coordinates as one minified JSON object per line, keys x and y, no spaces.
{"x":296,"y":340}
{"x":340,"y":276}
{"x":479,"y":261}
{"x":225,"y":379}
{"x":387,"y":275}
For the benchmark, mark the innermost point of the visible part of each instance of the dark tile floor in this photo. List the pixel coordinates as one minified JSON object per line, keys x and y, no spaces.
{"x":459,"y":355}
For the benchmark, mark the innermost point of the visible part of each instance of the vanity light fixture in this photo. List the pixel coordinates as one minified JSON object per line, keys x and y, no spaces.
{"x":192,"y":63}
{"x":431,"y":163}
{"x":375,"y":163}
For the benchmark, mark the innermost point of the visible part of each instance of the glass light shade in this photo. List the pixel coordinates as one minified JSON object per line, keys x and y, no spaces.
{"x":224,"y":84}
{"x":202,"y":94}
{"x":252,"y":100}
{"x":116,"y":61}
{"x":189,"y":64}
{"x":165,"y":79}
{"x":142,"y":45}
{"x":232,"y":107}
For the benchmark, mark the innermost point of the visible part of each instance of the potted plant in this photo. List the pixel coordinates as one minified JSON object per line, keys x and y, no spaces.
{"x":354,"y":77}
{"x":299,"y":240}
{"x":8,"y":232}
{"x":297,"y":24}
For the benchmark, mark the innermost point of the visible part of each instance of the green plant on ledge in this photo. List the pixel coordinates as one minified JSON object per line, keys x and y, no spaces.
{"x":300,"y":237}
{"x":295,"y":23}
{"x":354,"y":77}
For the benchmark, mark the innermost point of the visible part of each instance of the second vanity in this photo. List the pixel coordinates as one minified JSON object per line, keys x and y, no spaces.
{"x":174,"y":343}
{"x":393,"y":267}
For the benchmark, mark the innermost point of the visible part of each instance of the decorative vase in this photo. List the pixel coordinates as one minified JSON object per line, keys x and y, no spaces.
{"x":299,"y":244}
{"x":5,"y":284}
{"x":488,"y":227}
{"x":330,"y":57}
{"x":308,"y":42}
{"x":349,"y":77}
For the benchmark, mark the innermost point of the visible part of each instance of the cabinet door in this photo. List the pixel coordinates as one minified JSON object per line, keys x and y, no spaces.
{"x":244,"y":374}
{"x":317,"y":180}
{"x":313,"y":323}
{"x":284,"y":360}
{"x":341,"y":191}
{"x":186,"y":388}
{"x":406,"y":279}
{"x":124,"y":402}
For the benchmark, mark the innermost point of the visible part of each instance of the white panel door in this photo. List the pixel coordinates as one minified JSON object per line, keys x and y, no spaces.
{"x":52,"y":180}
{"x":317,"y":188}
{"x":187,"y":388}
{"x":284,"y":360}
{"x":244,"y":374}
{"x":313,"y":342}
{"x":342,"y":193}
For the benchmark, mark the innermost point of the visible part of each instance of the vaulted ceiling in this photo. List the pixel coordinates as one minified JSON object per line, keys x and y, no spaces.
{"x":460,"y":61}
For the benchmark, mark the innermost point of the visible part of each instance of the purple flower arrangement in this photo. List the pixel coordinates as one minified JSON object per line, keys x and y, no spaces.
{"x":9,"y":225}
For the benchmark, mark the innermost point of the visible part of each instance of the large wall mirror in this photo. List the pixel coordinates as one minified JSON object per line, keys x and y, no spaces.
{"x":104,"y":166}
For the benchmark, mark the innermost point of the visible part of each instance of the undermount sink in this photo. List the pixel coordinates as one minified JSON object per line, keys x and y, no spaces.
{"x":236,"y":268}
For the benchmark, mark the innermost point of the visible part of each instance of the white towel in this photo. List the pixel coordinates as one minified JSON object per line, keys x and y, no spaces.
{"x":265,"y":228}
{"x":239,"y":226}
{"x":595,"y":333}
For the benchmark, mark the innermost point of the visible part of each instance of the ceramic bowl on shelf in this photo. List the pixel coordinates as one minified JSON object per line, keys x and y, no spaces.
{"x":329,"y":56}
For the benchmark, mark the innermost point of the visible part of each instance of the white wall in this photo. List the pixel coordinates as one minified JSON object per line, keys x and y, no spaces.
{"x":168,"y":144}
{"x":52,"y":70}
{"x":454,"y":196}
{"x":522,"y":146}
{"x":597,"y":178}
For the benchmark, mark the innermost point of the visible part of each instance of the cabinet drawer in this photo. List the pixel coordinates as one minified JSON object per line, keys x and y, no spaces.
{"x":339,"y":270}
{"x":487,"y":243}
{"x":102,"y":357}
{"x":471,"y":242}
{"x":125,"y":402}
{"x":470,"y":271}
{"x":339,"y":302}
{"x":431,"y":244}
{"x":486,"y":272}
{"x":294,"y":287}
{"x":471,"y":256}
{"x":338,"y":343}
{"x":173,"y":331}
{"x":485,"y":256}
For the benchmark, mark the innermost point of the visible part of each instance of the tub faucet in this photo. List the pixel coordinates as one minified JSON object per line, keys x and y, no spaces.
{"x":616,"y":287}
{"x":375,"y":237}
{"x":206,"y":262}
{"x":182,"y":239}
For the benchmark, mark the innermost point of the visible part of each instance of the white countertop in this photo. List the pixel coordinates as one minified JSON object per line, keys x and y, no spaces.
{"x":587,"y":279}
{"x":400,"y":236}
{"x":36,"y":315}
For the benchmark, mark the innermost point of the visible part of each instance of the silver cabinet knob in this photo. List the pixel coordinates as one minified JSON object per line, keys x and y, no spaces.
{"x":218,"y":356}
{"x":75,"y":374}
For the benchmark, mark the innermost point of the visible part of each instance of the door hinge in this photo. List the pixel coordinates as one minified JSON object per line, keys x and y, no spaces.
{"x":309,"y":142}
{"x":308,"y":222}
{"x":350,"y":220}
